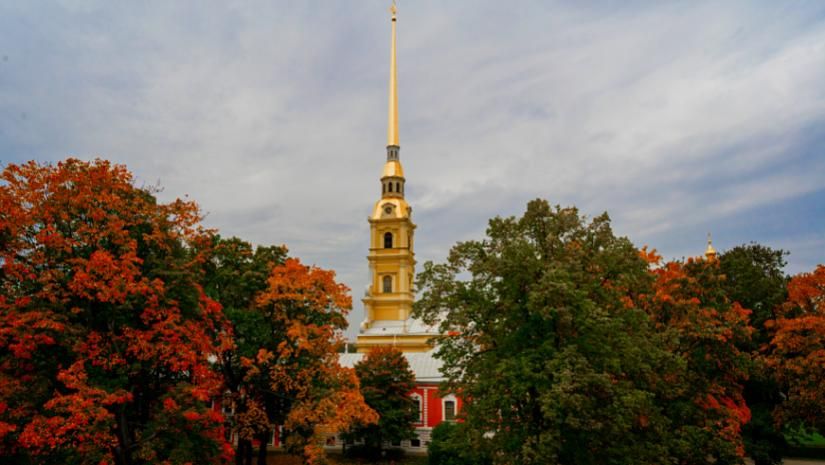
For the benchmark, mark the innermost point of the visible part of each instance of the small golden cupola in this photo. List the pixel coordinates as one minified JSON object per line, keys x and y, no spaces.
{"x":710,"y":252}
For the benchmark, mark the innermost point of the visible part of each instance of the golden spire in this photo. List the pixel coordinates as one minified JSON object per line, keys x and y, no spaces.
{"x":392,"y":126}
{"x":710,"y":252}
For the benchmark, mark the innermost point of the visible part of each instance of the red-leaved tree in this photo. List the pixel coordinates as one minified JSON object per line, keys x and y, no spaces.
{"x":705,"y":329}
{"x":796,"y":353}
{"x":105,"y":333}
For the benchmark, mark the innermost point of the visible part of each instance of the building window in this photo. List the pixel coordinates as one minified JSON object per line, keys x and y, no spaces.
{"x":417,"y":407}
{"x":415,"y":442}
{"x":449,"y":406}
{"x":390,"y":187}
{"x":387,"y":284}
{"x":388,"y":240}
{"x":383,"y":188}
{"x":396,"y":443}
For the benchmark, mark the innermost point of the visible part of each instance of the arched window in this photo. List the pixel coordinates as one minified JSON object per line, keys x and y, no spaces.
{"x":383,"y":188}
{"x":388,"y":240}
{"x":387,"y":284}
{"x":398,"y":187}
{"x":390,"y":187}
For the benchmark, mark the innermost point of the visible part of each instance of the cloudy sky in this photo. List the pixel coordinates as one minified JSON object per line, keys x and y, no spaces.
{"x":678,"y":119}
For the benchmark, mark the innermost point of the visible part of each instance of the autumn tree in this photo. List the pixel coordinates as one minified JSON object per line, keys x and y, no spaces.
{"x":543,"y":337}
{"x":796,"y":352}
{"x":386,"y":383}
{"x":706,"y":330}
{"x":754,"y":277}
{"x":306,"y":390}
{"x":105,"y":332}
{"x":236,"y":272}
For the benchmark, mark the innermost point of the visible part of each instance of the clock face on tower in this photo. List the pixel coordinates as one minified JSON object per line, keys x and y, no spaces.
{"x":388,"y":208}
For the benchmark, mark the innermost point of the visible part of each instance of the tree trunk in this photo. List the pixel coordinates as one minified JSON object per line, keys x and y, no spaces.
{"x":249,"y":450}
{"x":121,"y":452}
{"x":238,"y":453}
{"x":244,"y":452}
{"x":262,"y":440}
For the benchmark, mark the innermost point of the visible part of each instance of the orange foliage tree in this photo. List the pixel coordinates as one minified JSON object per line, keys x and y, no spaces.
{"x":105,"y":334}
{"x":705,"y":329}
{"x":796,"y":352}
{"x":296,"y":377}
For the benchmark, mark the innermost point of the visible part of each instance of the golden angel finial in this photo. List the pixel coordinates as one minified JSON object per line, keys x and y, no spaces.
{"x":393,"y":8}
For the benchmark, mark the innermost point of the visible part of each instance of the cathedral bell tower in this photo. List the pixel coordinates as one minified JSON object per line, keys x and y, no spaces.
{"x":389,"y":297}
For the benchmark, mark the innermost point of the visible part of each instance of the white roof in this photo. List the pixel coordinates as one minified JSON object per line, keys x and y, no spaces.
{"x":409,"y":326}
{"x":426,"y":367}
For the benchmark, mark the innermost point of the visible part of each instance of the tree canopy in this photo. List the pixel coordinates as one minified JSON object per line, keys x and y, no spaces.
{"x":105,"y":331}
{"x":754,"y":277}
{"x":386,"y":383}
{"x":796,"y":352}
{"x":295,"y":378}
{"x":569,"y":348}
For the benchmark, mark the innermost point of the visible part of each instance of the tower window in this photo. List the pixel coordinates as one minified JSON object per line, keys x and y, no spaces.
{"x":383,"y":188}
{"x":387,"y":240}
{"x":390,"y":187}
{"x":398,"y":187}
{"x":387,"y":284}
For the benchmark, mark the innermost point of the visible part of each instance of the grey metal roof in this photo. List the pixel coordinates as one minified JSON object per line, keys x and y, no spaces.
{"x":426,"y":367}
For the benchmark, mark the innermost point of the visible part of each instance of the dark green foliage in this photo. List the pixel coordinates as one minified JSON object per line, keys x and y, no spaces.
{"x":449,"y":446}
{"x":570,"y":350}
{"x":386,"y":382}
{"x":558,"y":367}
{"x":235,"y":273}
{"x":755,"y":279}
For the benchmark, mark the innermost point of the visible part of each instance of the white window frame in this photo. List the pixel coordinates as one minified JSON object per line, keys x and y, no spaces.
{"x":444,"y":400}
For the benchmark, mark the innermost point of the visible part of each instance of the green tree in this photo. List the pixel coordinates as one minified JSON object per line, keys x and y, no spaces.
{"x":448,"y":446}
{"x":235,"y":274}
{"x":386,"y":383}
{"x":544,"y":340}
{"x":573,"y":347}
{"x":754,"y":277}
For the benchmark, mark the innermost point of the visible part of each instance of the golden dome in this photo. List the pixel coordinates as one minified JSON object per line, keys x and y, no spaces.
{"x":392,"y":169}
